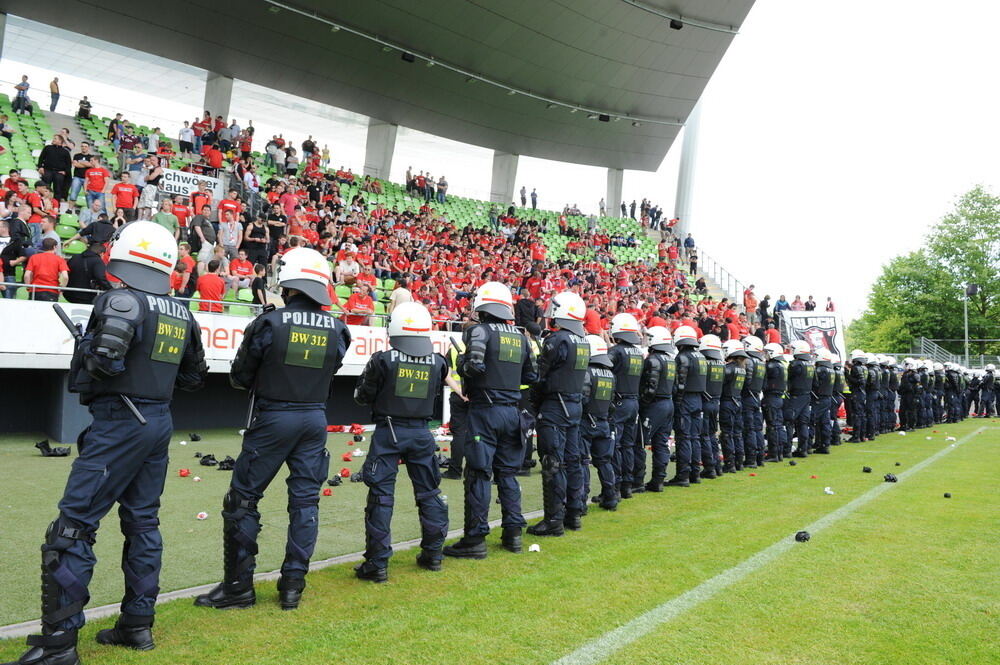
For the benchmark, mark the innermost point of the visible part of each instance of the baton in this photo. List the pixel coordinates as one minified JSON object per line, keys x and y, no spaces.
{"x":77,"y":334}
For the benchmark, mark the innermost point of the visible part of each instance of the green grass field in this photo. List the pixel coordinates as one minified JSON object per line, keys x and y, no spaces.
{"x":910,"y":577}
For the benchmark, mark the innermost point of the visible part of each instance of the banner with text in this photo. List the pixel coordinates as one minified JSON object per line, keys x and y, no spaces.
{"x":183,"y":183}
{"x":820,"y":329}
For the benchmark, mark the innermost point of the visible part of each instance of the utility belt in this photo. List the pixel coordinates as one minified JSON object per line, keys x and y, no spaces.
{"x":264,"y":404}
{"x":395,"y":421}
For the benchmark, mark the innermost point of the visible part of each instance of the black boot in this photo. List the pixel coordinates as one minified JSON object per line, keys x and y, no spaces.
{"x":467,"y":548}
{"x":677,"y":481}
{"x":236,"y":590}
{"x":57,"y":648}
{"x":228,"y":597}
{"x":573,"y":521}
{"x":625,"y":490}
{"x":750,"y":463}
{"x":452,"y":474}
{"x":728,"y":467}
{"x":547,"y":527}
{"x":429,"y":560}
{"x":511,"y":539}
{"x":655,"y":485}
{"x":371,"y":573}
{"x":708,"y":474}
{"x":290,"y":592}
{"x":638,"y":489}
{"x":130,"y":631}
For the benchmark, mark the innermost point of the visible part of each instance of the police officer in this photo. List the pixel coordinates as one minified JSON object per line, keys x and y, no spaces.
{"x":139,"y":343}
{"x":497,"y":361}
{"x":626,"y":359}
{"x":595,"y":428}
{"x":753,"y":417}
{"x":839,"y":388}
{"x":987,"y":391}
{"x":562,"y":369}
{"x":857,"y":380}
{"x":873,"y":420}
{"x":692,"y":375}
{"x":824,"y":379}
{"x":711,"y":348}
{"x":401,"y":386}
{"x":892,"y":393}
{"x":924,"y":392}
{"x":952,"y":392}
{"x":974,"y":393}
{"x":656,"y":401}
{"x":287,"y":361}
{"x":731,"y":406}
{"x":527,"y":414}
{"x":798,"y":420}
{"x":937,"y":405}
{"x":775,"y":384}
{"x":458,"y":407}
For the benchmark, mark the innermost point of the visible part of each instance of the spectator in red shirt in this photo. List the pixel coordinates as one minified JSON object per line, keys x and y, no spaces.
{"x":182,"y":212}
{"x":201,"y":197}
{"x":46,"y":268}
{"x":240,"y":272}
{"x":359,"y":306}
{"x":95,"y":182}
{"x":211,"y":286}
{"x":229,"y":208}
{"x":772,"y":334}
{"x":126,"y":196}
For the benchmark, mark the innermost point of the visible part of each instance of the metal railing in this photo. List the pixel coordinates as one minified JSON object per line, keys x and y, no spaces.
{"x":731,"y":286}
{"x":925,"y":348}
{"x":45,"y":287}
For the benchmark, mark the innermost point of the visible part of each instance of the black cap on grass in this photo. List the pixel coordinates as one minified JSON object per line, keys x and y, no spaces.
{"x":802,"y":536}
{"x":947,"y":495}
{"x":792,"y":462}
{"x":227,"y":464}
{"x":335,"y":481}
{"x":358,"y":438}
{"x":899,"y":464}
{"x":194,"y":436}
{"x":890,"y":478}
{"x":866,"y":469}
{"x":197,"y":454}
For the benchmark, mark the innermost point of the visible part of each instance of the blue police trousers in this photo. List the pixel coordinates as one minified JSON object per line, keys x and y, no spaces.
{"x":558,"y":426}
{"x":657,"y":420}
{"x":493,"y":449}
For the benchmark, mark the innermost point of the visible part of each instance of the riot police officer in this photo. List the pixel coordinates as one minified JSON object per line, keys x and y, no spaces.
{"x":496,"y":363}
{"x":400,"y":385}
{"x":873,"y":405}
{"x":937,"y":401}
{"x":800,"y":384}
{"x":458,"y":408}
{"x":626,"y":359}
{"x":562,"y":369}
{"x":987,"y":391}
{"x":731,"y":406}
{"x":924,"y":392}
{"x":692,"y":375}
{"x":775,"y":384}
{"x":656,"y":401}
{"x":753,"y":417}
{"x":287,"y":361}
{"x":857,"y":380}
{"x":139,"y":343}
{"x":711,"y":348}
{"x":839,"y":388}
{"x":892,"y":393}
{"x":822,"y":401}
{"x":952,"y":392}
{"x":974,"y":393}
{"x":595,"y":429}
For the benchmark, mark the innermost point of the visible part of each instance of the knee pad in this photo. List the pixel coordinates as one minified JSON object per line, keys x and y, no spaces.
{"x":550,"y":463}
{"x":235,"y":507}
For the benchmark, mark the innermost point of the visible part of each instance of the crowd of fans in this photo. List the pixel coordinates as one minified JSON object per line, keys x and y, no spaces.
{"x":224,"y":247}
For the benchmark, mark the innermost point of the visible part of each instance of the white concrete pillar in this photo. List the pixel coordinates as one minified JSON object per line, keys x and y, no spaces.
{"x":379,"y":147}
{"x":504,"y":173}
{"x":685,"y":176}
{"x":218,"y":94}
{"x":3,"y":30}
{"x":613,"y":199}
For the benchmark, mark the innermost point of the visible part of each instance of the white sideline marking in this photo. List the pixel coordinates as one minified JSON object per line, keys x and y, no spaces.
{"x":605,"y":645}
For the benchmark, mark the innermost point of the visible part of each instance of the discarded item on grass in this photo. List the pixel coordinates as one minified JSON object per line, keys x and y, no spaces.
{"x":928,"y":438}
{"x":327,"y":492}
{"x":950,"y":438}
{"x":866,"y":469}
{"x":890,"y":478}
{"x":358,"y":453}
{"x":345,"y":473}
{"x":242,"y":432}
{"x":813,"y":477}
{"x":828,"y":490}
{"x":194,"y":436}
{"x":48,"y":451}
{"x":358,"y":438}
{"x":801,"y":536}
{"x":184,"y":473}
{"x":227,"y":464}
{"x":346,"y":457}
{"x":196,"y":479}
{"x":335,"y":481}
{"x":753,"y":474}
{"x":197,"y":454}
{"x":534,"y":547}
{"x":208,"y":460}
{"x":899,"y":464}
{"x":792,"y":462}
{"x":358,"y":477}
{"x":947,"y":495}
{"x":901,"y":433}
{"x":202,"y":516}
{"x":182,"y":443}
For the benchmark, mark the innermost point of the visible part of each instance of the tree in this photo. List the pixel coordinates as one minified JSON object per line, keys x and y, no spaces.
{"x":921,"y":294}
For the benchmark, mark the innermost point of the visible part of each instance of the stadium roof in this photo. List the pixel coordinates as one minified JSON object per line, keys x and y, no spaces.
{"x":507,"y":74}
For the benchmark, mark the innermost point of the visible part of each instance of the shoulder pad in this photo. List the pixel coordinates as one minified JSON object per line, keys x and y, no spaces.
{"x":122,"y":304}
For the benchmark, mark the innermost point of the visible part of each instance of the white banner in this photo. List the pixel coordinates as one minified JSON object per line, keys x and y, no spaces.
{"x":183,"y":183}
{"x":33,"y":337}
{"x":820,"y":329}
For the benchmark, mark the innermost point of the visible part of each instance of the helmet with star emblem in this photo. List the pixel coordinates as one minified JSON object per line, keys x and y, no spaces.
{"x":305,"y":270}
{"x":494,"y":298}
{"x":143,"y":255}
{"x":410,"y":329}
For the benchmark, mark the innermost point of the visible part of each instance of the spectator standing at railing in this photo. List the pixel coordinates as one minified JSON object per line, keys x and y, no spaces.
{"x":797,"y":305}
{"x":692,"y":261}
{"x":167,"y":219}
{"x":46,"y":268}
{"x":81,"y":162}
{"x":230,"y":234}
{"x":86,"y":271}
{"x":829,"y":304}
{"x":185,"y":139}
{"x":688,"y":245}
{"x":359,"y":306}
{"x":21,"y":102}
{"x":211,"y":286}
{"x":810,"y":304}
{"x":780,"y":305}
{"x":763,"y":310}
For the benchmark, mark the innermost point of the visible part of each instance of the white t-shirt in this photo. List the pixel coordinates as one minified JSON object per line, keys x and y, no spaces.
{"x":186,"y":135}
{"x":398,"y":296}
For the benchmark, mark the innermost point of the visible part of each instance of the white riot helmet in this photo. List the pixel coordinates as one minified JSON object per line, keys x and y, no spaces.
{"x":733,"y":348}
{"x":624,"y":328}
{"x":774,"y":351}
{"x":890,"y":361}
{"x":800,"y":347}
{"x":599,"y":351}
{"x":884,"y":361}
{"x":659,"y":338}
{"x":823,"y":355}
{"x":410,"y":329}
{"x":858,"y":354}
{"x":305,"y":270}
{"x":834,"y":358}
{"x":685,"y":336}
{"x":568,"y":311}
{"x":928,"y":364}
{"x":143,"y":255}
{"x":495,"y":299}
{"x":711,"y":347}
{"x":938,"y":367}
{"x":753,"y":343}
{"x":991,"y":367}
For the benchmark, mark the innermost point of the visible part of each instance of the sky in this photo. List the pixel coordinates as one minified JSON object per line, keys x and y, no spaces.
{"x":833,"y":135}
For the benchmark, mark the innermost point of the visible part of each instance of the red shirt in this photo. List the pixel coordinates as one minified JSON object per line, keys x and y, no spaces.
{"x":210,"y":287}
{"x":96,"y":179}
{"x":229,"y":209}
{"x":34,"y":199}
{"x":773,"y":336}
{"x":45,"y":268}
{"x":199,"y":200}
{"x":240,"y":267}
{"x":182,"y":212}
{"x":214,"y":158}
{"x":126,"y":196}
{"x":358,"y":301}
{"x":592,"y":322}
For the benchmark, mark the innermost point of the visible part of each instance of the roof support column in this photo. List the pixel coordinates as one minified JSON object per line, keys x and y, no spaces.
{"x":3,"y":30}
{"x":218,"y":94}
{"x":504,"y":173}
{"x":613,"y":200}
{"x":685,"y":177}
{"x":379,"y":147}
